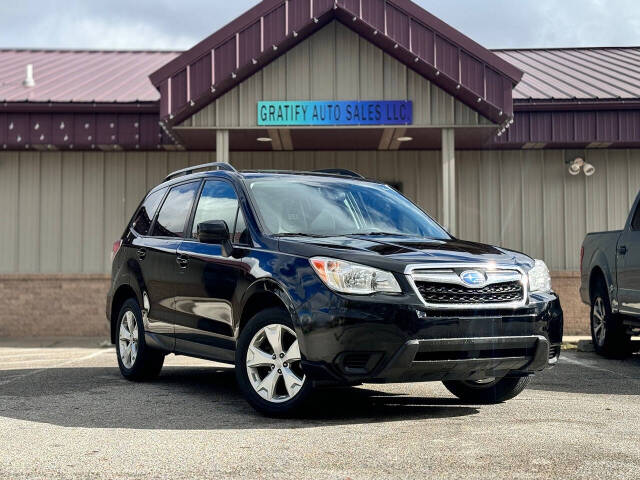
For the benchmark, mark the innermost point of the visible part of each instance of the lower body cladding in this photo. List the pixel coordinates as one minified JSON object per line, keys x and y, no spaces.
{"x":402,"y":343}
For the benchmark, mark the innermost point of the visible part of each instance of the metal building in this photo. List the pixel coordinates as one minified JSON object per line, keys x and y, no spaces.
{"x":486,"y":149}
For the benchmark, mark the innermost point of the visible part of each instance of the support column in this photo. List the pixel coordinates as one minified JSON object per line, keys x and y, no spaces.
{"x":222,"y":146}
{"x":449,"y":180}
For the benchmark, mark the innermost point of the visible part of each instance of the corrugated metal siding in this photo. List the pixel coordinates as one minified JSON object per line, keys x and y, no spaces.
{"x":527,"y":200}
{"x":61,"y":211}
{"x":336,"y":64}
{"x":580,"y":128}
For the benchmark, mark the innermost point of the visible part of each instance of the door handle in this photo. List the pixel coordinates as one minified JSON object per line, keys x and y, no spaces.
{"x":622,"y":250}
{"x":182,"y":261}
{"x":142,"y":253}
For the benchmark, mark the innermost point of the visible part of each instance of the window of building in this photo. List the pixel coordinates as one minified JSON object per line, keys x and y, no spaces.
{"x":220,"y":202}
{"x":175,"y":210}
{"x":142,"y":222}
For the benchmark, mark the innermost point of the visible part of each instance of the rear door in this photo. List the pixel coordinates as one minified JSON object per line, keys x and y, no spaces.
{"x":628,"y":264}
{"x":157,"y":254}
{"x":210,"y":284}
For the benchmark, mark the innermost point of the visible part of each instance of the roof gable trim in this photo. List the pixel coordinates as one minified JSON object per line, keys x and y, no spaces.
{"x":274,"y":26}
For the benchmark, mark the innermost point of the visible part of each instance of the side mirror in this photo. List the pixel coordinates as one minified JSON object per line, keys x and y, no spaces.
{"x":216,"y":232}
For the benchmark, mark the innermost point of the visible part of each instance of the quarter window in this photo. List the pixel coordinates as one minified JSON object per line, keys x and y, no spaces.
{"x":142,"y":221}
{"x":175,"y":210}
{"x":220,"y":202}
{"x":635,"y":223}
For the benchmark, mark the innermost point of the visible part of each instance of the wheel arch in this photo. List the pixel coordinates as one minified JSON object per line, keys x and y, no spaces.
{"x":600,"y":270}
{"x":123,"y":293}
{"x":261,"y":295}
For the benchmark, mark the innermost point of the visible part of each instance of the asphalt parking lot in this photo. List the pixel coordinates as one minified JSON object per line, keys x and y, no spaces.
{"x":65,"y":412}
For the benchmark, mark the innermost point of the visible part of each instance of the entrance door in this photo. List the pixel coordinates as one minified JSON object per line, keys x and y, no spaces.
{"x":208,"y":290}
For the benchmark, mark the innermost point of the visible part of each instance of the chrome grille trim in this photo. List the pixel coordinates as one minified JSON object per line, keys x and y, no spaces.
{"x":444,"y":273}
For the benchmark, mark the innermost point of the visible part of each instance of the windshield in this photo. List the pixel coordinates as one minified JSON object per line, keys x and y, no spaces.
{"x":334,"y":207}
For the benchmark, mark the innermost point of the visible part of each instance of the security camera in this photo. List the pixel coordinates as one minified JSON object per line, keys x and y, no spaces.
{"x":589,"y":169}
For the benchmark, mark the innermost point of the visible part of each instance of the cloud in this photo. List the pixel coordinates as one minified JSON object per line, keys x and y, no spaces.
{"x":178,"y":25}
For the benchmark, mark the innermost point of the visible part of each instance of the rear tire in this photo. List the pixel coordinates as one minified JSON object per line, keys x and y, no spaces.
{"x":609,"y":335}
{"x":137,"y":361}
{"x":497,"y":391}
{"x":271,"y":379}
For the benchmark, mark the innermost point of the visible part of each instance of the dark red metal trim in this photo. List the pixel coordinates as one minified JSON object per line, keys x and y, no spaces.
{"x":453,"y":61}
{"x":78,"y":107}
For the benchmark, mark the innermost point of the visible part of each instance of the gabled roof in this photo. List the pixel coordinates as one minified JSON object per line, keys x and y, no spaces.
{"x":80,"y":75}
{"x":452,"y":61}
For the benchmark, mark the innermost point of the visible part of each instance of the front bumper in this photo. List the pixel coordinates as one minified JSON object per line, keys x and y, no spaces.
{"x":406,"y":343}
{"x":466,"y":359}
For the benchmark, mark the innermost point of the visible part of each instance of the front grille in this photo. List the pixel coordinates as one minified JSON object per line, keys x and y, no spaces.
{"x":446,"y":293}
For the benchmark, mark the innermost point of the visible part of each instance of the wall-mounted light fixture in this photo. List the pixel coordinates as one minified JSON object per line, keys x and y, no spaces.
{"x":578,"y":165}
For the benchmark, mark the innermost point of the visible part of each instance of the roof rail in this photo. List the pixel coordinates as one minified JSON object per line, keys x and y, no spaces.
{"x":190,"y":170}
{"x":339,"y":171}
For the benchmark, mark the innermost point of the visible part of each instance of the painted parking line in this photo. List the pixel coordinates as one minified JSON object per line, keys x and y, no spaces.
{"x":57,"y":365}
{"x":594,"y":365}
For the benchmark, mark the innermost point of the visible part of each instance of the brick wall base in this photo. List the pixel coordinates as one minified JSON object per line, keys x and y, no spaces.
{"x":576,"y":313}
{"x":53,"y":305}
{"x":74,"y":305}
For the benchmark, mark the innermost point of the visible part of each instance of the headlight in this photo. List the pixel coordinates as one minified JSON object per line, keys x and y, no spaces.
{"x":539,"y":278}
{"x":347,"y":277}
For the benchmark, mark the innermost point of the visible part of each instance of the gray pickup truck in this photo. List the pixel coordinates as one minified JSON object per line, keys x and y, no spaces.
{"x":610,"y":284}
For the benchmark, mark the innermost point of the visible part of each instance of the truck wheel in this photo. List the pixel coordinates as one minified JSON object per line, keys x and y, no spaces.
{"x":609,"y":335}
{"x":488,"y":391}
{"x":268,"y":364}
{"x":136,"y":360}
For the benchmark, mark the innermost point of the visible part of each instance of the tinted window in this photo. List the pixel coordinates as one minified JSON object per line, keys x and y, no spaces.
{"x":142,"y":221}
{"x":635,"y":223}
{"x":175,"y":210}
{"x":220,"y":202}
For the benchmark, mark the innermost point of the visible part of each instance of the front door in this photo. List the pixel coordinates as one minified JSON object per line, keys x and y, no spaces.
{"x":207,"y":292}
{"x":628,"y":262}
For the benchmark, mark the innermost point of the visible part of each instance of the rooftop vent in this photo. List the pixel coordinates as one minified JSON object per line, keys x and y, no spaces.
{"x":29,"y":82}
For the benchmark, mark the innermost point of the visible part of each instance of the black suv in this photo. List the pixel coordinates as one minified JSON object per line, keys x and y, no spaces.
{"x":321,"y":278}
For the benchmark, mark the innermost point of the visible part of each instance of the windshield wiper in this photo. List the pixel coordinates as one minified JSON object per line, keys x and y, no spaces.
{"x":311,"y":235}
{"x":378,"y":234}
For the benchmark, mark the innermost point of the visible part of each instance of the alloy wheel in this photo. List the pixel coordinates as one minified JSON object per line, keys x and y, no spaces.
{"x":273,"y":363}
{"x":128,"y":339}
{"x":598,"y":321}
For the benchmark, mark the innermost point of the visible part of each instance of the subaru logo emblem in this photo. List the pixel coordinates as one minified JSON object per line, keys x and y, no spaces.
{"x":473,"y":278}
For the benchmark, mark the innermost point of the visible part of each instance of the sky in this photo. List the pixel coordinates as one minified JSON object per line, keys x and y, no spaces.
{"x":180,"y":24}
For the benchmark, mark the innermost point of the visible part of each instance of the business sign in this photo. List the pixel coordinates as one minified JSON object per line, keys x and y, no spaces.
{"x":306,"y":113}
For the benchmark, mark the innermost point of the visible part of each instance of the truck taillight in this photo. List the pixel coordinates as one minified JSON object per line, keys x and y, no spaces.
{"x":581,"y":257}
{"x":116,"y":247}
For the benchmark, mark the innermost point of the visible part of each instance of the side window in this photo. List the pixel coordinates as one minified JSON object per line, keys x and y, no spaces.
{"x":142,"y":221}
{"x":220,"y":202}
{"x":175,"y":210}
{"x":635,"y":223}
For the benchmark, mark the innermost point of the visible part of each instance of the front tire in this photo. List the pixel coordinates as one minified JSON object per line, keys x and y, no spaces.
{"x":609,"y":335}
{"x":268,"y":364}
{"x":137,"y":361}
{"x":488,"y":392}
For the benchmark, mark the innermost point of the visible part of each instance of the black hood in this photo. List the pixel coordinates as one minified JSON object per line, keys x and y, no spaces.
{"x":395,"y":253}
